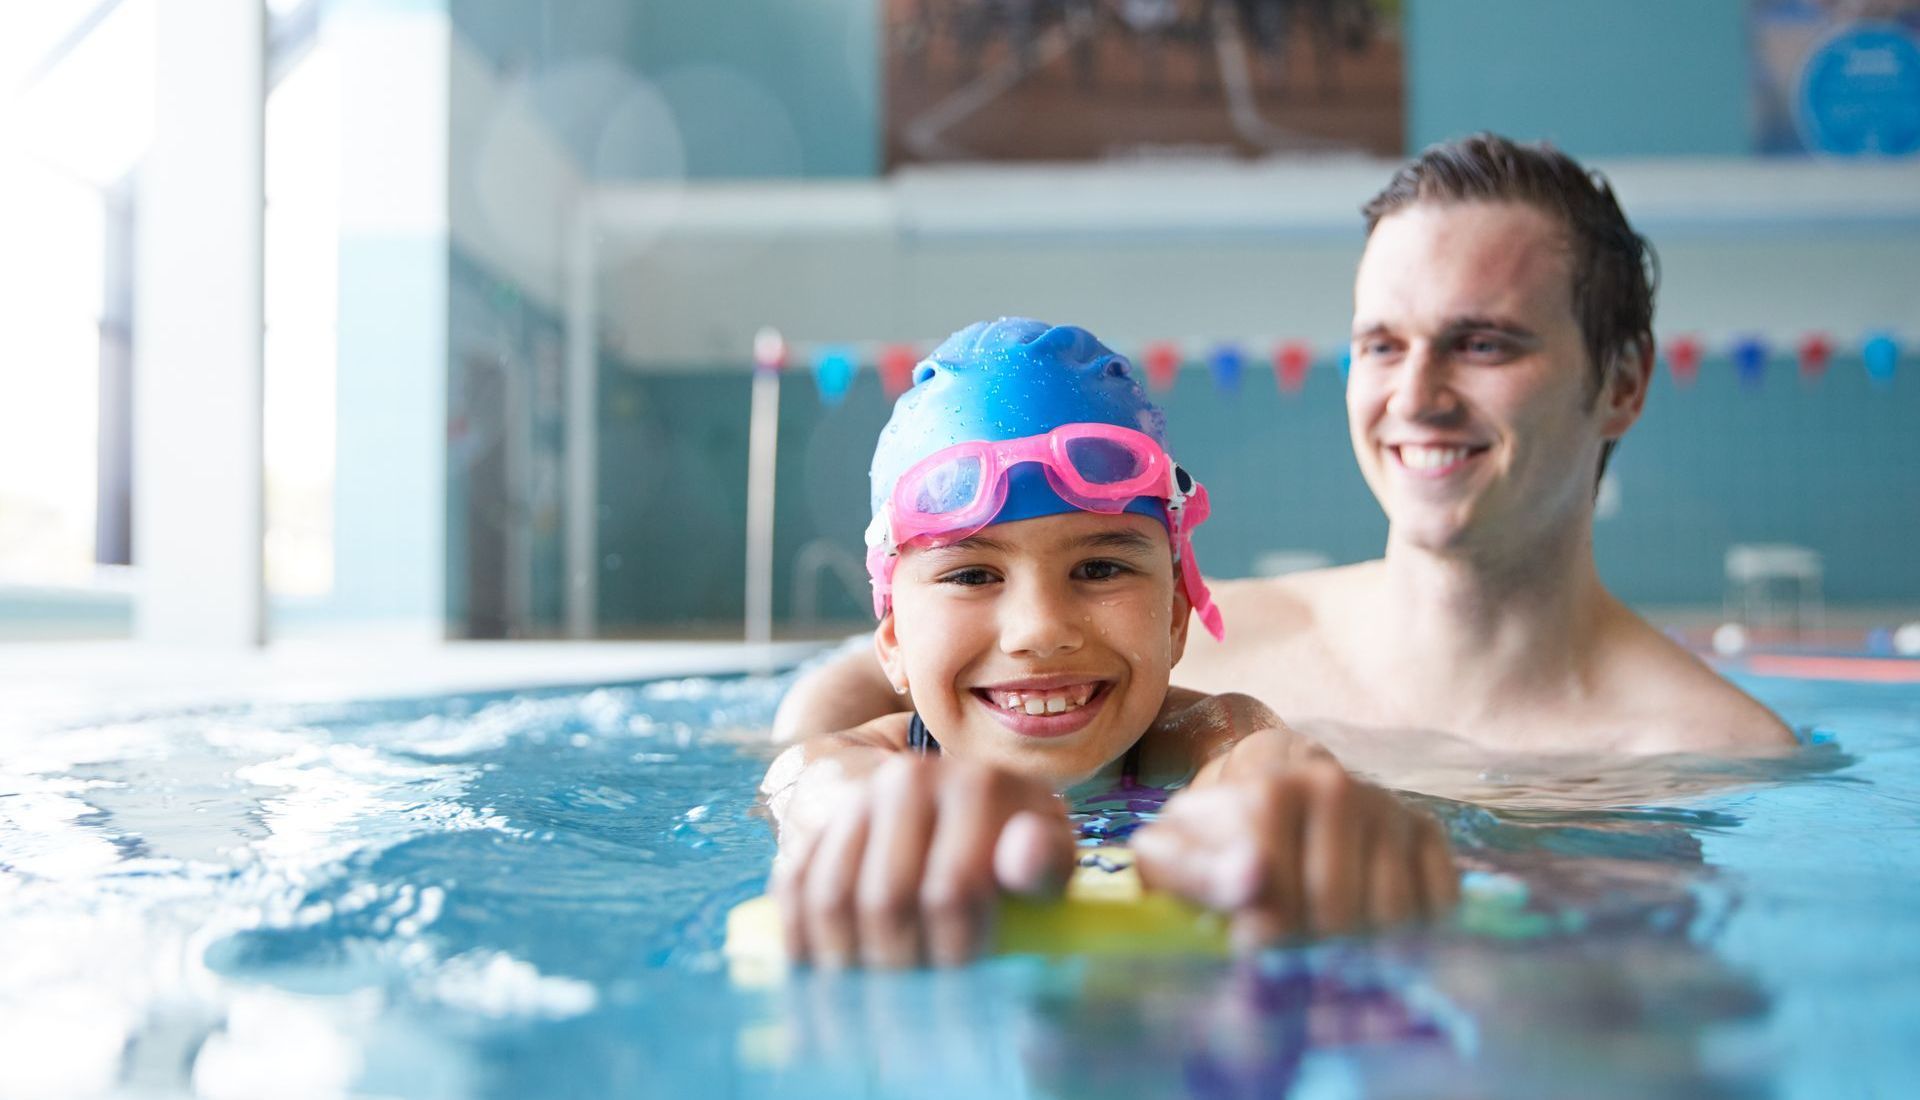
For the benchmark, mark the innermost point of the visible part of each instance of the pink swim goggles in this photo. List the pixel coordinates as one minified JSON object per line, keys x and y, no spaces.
{"x":958,"y":490}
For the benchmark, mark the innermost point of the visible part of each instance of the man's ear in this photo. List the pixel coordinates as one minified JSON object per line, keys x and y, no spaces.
{"x":1623,"y":391}
{"x":886,"y":647}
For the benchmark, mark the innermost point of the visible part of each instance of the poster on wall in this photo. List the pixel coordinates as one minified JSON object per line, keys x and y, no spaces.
{"x":1025,"y":80}
{"x":1837,"y":78}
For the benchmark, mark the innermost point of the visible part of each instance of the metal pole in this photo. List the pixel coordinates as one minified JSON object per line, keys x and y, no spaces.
{"x":763,"y":438}
{"x":583,"y":381}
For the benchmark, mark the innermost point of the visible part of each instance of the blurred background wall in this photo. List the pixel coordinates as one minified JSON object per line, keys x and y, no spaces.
{"x":534,"y":242}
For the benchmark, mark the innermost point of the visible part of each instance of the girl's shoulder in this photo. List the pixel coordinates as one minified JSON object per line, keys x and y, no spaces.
{"x":1193,"y":727}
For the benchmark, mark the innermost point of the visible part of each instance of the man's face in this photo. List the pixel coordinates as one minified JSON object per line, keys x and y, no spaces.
{"x":1042,"y":646}
{"x":1470,"y":400}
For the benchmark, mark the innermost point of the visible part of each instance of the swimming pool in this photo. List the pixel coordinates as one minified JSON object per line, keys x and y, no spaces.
{"x":523,"y":895}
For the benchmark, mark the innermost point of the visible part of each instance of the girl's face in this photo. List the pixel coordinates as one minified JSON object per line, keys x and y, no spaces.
{"x":1041,"y":646}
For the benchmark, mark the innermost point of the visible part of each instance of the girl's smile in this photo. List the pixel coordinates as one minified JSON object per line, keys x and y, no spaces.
{"x":1039,"y":708}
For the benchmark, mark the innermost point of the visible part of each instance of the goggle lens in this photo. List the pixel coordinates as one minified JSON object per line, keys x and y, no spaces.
{"x":1105,"y":461}
{"x":949,"y":487}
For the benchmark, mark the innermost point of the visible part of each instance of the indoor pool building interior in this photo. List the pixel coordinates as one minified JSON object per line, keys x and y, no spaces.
{"x":435,"y":439}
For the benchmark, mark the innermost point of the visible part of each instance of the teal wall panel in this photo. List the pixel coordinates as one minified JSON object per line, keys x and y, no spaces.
{"x":1600,"y":78}
{"x":506,"y":455}
{"x":1828,"y":466}
{"x":756,"y":88}
{"x":672,"y":481}
{"x":743,"y":75}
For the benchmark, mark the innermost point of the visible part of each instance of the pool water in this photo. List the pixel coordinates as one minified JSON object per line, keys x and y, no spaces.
{"x":524,"y":895}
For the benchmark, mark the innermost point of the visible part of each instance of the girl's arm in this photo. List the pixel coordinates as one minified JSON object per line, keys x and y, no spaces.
{"x":848,"y":689}
{"x":888,"y":858}
{"x":1275,"y":831}
{"x":809,"y":778}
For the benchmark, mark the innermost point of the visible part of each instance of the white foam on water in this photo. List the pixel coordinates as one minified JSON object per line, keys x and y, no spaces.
{"x":498,"y":985}
{"x":283,"y":1045}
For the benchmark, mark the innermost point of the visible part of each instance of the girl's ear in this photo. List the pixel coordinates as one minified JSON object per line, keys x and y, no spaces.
{"x":1182,"y":618}
{"x":886,"y":647}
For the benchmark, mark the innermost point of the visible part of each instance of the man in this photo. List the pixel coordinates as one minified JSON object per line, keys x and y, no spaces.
{"x":1502,"y":346}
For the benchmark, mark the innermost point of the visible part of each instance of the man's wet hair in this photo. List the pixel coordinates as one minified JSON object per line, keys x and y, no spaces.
{"x":1615,"y":270}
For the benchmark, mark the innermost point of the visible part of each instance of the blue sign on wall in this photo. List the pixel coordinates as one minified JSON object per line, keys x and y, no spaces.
{"x":1860,"y":93}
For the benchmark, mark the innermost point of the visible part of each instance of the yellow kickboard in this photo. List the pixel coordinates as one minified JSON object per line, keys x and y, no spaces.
{"x":1104,"y":912}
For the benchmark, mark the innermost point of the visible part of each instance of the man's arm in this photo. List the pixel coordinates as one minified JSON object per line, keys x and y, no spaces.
{"x":847,"y":691}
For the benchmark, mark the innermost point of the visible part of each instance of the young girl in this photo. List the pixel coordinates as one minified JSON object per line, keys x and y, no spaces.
{"x":1032,"y":564}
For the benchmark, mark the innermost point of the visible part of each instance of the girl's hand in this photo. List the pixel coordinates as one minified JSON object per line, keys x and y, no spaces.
{"x":909,"y":865}
{"x":1298,"y":849}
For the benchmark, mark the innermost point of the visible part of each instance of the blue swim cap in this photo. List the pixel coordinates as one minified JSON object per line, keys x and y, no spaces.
{"x":1009,"y":379}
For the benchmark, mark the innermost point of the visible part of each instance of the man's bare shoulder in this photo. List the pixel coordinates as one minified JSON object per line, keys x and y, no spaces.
{"x":1680,"y":703}
{"x":1276,"y":648}
{"x":1270,"y":611}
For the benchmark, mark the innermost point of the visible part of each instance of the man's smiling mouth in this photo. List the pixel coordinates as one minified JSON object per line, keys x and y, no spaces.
{"x":1428,"y":459}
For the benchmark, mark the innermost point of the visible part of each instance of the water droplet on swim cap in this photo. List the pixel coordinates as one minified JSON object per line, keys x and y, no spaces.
{"x":1008,"y":379}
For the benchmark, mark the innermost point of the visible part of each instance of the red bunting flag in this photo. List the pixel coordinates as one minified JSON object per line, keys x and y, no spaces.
{"x":1290,"y":364}
{"x":896,"y":368}
{"x":1816,"y":351}
{"x":1683,"y":359}
{"x":1163,"y":362}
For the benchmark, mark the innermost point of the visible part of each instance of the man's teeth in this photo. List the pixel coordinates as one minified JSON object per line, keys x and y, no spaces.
{"x":1430,"y":458}
{"x":1043,"y":702}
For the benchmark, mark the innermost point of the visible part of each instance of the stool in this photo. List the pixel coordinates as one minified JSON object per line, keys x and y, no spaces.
{"x":1774,"y":585}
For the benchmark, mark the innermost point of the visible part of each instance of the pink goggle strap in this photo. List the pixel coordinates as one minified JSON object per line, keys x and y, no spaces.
{"x":1187,"y":513}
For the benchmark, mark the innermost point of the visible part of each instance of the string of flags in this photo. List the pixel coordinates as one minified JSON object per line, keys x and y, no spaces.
{"x":835,"y":366}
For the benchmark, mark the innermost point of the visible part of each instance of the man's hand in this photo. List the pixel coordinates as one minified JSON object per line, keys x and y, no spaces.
{"x":909,"y":865}
{"x":1298,"y":849}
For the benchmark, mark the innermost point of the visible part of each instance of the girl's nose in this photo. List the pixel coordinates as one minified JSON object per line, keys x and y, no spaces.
{"x":1038,"y":620}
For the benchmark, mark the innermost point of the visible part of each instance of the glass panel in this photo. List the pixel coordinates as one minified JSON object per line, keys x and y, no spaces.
{"x":77,"y":82}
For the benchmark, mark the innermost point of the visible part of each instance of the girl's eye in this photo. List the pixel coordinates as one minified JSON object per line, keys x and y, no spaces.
{"x":1101,"y":569}
{"x":969,"y":577}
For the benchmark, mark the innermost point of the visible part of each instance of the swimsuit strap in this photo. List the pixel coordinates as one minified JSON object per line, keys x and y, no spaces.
{"x":1130,"y":765}
{"x":920,"y":738}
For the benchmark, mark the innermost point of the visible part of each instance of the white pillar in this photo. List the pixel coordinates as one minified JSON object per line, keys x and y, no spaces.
{"x":197,"y":524}
{"x":583,"y":447}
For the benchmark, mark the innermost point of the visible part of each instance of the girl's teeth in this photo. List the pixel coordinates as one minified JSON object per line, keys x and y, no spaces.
{"x":1043,"y":702}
